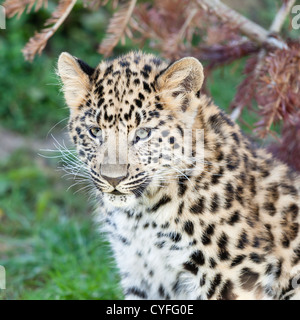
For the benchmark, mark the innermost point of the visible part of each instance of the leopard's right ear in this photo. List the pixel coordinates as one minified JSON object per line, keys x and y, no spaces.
{"x":75,"y":75}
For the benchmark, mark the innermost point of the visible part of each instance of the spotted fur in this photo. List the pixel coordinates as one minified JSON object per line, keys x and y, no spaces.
{"x":227,"y":230}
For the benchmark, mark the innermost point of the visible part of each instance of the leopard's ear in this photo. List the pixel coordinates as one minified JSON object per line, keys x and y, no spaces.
{"x":75,"y":75}
{"x":179,"y":86}
{"x":182,"y":77}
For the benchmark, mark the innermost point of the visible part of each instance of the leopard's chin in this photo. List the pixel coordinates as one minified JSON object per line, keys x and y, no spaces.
{"x":119,"y":201}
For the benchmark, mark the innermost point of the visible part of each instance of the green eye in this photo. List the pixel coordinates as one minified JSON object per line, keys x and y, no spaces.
{"x":142,"y":134}
{"x":95,"y":132}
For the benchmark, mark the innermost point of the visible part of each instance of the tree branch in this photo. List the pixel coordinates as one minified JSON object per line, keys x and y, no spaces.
{"x":247,"y":27}
{"x":281,"y":15}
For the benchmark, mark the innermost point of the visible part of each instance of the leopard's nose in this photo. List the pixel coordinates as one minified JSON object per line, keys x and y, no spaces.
{"x":113,"y":181}
{"x":113,"y":173}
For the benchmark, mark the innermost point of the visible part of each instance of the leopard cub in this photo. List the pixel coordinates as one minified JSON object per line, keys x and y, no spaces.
{"x":192,"y":210}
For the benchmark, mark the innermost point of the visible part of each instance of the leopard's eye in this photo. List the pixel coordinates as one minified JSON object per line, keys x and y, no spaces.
{"x":142,"y":134}
{"x":95,"y":132}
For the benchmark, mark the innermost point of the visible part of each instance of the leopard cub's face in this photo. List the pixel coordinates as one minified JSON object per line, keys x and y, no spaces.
{"x":128,"y":118}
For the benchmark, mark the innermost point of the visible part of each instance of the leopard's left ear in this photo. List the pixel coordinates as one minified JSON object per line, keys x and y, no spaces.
{"x":75,"y":75}
{"x":182,"y":77}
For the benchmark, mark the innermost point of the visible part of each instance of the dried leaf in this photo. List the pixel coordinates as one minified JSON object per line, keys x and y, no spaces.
{"x":17,"y":7}
{"x":278,"y":88}
{"x":37,"y":43}
{"x":117,"y":27}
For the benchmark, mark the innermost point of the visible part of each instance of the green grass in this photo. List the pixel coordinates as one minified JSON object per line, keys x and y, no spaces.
{"x":48,"y":243}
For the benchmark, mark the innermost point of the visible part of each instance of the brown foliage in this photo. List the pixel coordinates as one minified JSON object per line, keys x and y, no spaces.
{"x":274,"y":83}
{"x":288,"y":148}
{"x":179,"y":28}
{"x":37,"y":43}
{"x":117,"y":27}
{"x":278,"y":88}
{"x":246,"y":90}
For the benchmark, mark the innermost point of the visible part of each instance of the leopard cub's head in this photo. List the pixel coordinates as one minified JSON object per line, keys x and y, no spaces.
{"x":128,"y":117}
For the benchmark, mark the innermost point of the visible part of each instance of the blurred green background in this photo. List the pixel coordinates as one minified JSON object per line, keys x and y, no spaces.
{"x":49,"y":245}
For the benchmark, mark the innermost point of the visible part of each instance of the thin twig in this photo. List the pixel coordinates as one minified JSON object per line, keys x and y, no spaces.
{"x":186,"y":24}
